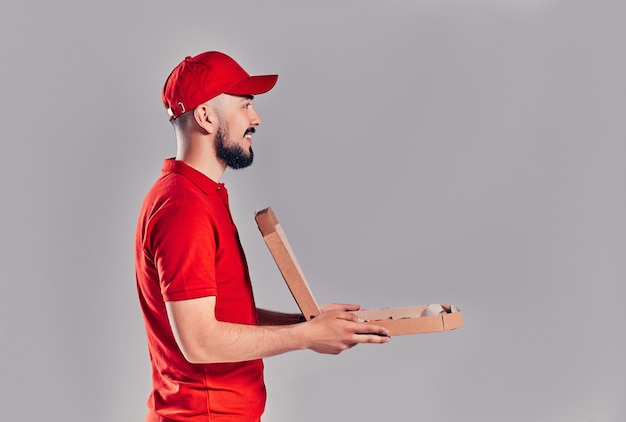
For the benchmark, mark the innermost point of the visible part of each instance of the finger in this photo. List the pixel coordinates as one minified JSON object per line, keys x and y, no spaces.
{"x":340,"y":307}
{"x":349,"y":306}
{"x":372,"y":338}
{"x":348,"y":316}
{"x":365,"y":328}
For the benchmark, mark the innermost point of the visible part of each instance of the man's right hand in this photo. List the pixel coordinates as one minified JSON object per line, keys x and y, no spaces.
{"x":334,"y":331}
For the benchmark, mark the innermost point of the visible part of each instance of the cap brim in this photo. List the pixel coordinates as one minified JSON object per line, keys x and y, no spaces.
{"x":253,"y":85}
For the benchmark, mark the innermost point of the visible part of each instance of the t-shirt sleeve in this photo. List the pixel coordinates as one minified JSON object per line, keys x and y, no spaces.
{"x":182,"y":240}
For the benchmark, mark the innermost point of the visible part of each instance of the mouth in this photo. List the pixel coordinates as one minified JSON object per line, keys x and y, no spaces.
{"x":248,"y":134}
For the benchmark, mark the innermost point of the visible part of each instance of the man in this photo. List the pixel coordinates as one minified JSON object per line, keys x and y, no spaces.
{"x":206,"y":337}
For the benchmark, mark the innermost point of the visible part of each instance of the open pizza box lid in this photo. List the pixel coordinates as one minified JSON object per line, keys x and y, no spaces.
{"x":398,"y":321}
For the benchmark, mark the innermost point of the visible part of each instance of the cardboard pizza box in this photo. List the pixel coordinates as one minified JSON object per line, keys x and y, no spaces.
{"x":399,"y":321}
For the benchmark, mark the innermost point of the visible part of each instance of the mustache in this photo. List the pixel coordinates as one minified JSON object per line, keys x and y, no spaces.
{"x":250,"y":130}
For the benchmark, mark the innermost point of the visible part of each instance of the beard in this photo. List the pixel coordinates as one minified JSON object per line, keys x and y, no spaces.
{"x":233,"y":155}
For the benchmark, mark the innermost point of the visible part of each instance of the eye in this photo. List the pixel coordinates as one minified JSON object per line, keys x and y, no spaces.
{"x":247,"y":105}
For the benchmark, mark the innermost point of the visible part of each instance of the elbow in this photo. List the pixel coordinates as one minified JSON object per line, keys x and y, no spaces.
{"x":195,"y":355}
{"x":198,"y":355}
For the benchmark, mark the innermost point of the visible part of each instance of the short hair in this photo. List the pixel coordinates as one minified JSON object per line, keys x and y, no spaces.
{"x":183,"y":121}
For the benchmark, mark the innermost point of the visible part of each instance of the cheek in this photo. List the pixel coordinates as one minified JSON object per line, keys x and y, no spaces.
{"x":241,"y":127}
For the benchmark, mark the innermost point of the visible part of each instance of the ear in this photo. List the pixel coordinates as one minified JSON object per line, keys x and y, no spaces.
{"x":206,"y":118}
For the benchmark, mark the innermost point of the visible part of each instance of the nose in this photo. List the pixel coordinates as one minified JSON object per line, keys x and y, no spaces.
{"x":255,"y":119}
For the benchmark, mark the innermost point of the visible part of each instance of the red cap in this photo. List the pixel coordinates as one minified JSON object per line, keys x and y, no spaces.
{"x":198,"y":79}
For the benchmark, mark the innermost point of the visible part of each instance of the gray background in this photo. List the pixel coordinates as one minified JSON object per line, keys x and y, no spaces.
{"x":451,"y":151}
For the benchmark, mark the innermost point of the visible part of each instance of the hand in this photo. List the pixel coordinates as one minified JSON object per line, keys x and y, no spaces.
{"x":336,"y":330}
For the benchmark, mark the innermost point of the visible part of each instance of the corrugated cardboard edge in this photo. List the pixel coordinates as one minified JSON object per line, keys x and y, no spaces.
{"x":396,"y":323}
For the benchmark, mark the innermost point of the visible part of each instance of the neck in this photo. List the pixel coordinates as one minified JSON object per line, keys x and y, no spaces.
{"x":201,"y":156}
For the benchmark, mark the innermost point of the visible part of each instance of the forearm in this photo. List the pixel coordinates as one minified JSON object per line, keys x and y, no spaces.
{"x":204,"y":339}
{"x":229,"y":342}
{"x":267,"y":317}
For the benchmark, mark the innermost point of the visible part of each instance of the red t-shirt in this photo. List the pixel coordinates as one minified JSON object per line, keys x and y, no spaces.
{"x":187,"y":246}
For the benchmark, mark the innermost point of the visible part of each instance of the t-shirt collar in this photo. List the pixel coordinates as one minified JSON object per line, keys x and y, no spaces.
{"x":207,"y":185}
